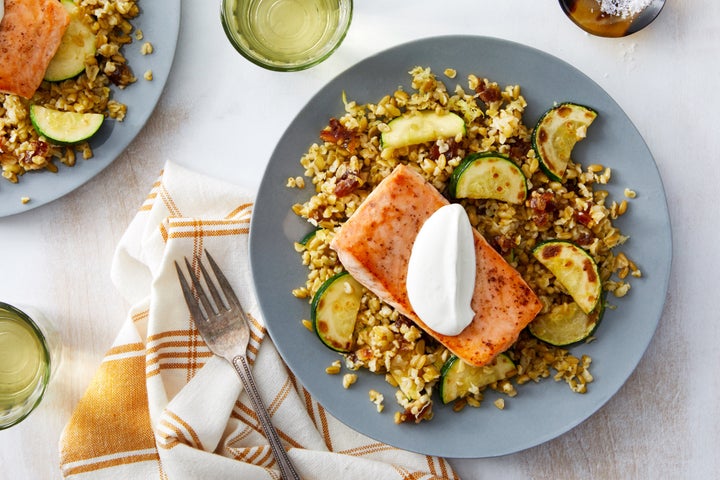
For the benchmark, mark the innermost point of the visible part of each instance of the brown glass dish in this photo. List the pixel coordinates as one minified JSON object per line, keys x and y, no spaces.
{"x":587,"y":15}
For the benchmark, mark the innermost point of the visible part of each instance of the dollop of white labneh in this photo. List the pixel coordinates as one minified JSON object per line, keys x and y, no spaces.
{"x":441,"y":272}
{"x":2,"y":9}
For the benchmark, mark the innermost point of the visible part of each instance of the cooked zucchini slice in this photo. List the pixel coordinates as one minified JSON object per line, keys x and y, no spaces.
{"x":457,"y":378}
{"x":78,"y":43}
{"x":334,"y":311}
{"x":556,"y":134}
{"x":566,"y":324}
{"x":421,"y":127}
{"x":575,"y":269}
{"x":488,"y":175}
{"x":308,"y":236}
{"x":65,"y":127}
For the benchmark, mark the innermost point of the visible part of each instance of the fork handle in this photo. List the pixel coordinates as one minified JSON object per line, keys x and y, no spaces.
{"x":287,"y":470}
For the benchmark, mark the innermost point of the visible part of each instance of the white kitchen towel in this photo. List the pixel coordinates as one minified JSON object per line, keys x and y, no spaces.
{"x":163,"y":406}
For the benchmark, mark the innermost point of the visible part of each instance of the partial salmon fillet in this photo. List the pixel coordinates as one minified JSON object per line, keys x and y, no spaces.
{"x":30,"y":34}
{"x":374,"y":246}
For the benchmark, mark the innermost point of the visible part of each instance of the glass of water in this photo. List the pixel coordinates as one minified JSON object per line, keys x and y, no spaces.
{"x":28,"y":354}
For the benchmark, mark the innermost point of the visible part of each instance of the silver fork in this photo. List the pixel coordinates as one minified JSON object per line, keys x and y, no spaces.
{"x":226,"y":331}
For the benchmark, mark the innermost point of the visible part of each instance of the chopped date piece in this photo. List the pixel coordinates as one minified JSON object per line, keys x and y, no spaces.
{"x":451,"y":152}
{"x":503,"y":243}
{"x":40,"y":149}
{"x":316,"y":215}
{"x":543,"y":205}
{"x":542,"y":202}
{"x":122,"y":75}
{"x":337,"y":133}
{"x":584,"y":239}
{"x":352,"y":358}
{"x":403,"y":321}
{"x":488,"y":92}
{"x":583,"y":217}
{"x":520,"y":149}
{"x":347,"y":183}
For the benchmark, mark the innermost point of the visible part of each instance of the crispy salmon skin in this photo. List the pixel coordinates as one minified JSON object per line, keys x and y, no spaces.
{"x":374,"y":246}
{"x":30,"y":34}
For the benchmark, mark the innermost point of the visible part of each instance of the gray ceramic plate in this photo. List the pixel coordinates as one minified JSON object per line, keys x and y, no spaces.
{"x":160,"y":24}
{"x":541,"y":411}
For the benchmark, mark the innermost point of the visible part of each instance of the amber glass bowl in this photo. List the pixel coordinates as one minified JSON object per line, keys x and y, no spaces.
{"x":587,"y":15}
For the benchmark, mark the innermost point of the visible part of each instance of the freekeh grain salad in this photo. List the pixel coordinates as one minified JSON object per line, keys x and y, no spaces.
{"x":51,"y":117}
{"x":554,"y":227}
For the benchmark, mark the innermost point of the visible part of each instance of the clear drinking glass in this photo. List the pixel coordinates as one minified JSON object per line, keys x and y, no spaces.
{"x":29,"y":352}
{"x":286,"y":35}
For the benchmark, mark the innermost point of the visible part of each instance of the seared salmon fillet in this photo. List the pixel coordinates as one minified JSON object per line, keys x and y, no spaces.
{"x":374,"y":246}
{"x":30,"y":34}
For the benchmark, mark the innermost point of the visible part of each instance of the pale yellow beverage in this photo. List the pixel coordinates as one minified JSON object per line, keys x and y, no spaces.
{"x":24,"y":365}
{"x":286,"y":34}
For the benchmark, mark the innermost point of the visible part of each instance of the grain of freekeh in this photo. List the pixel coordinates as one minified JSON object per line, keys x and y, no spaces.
{"x":343,"y":168}
{"x":22,"y":149}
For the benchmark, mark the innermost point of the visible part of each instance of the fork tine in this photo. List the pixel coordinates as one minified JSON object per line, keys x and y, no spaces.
{"x":195,"y":310}
{"x":199,"y":290}
{"x":219,"y":303}
{"x":224,"y":283}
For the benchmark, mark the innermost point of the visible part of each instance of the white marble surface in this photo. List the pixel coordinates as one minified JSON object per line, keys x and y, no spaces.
{"x":664,"y":423}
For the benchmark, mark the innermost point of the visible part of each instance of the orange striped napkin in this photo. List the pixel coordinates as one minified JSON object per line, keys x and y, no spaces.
{"x":162,"y":406}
